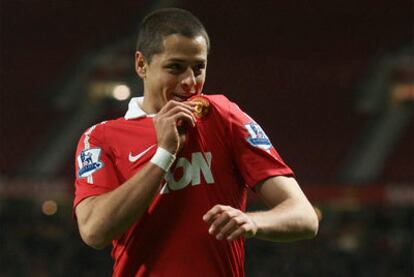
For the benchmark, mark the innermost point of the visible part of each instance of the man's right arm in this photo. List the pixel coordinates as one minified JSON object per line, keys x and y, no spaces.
{"x":104,"y":217}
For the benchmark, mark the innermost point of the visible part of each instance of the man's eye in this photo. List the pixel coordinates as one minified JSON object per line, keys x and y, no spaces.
{"x":198,"y":68}
{"x":174,"y":67}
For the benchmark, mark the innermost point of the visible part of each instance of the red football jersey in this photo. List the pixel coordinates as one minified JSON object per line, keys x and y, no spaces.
{"x":224,"y":155}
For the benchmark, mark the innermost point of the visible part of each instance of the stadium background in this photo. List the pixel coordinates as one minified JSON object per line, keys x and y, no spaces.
{"x":323,"y":79}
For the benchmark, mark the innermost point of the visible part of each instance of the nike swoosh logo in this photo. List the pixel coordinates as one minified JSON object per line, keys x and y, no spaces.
{"x":135,"y":158}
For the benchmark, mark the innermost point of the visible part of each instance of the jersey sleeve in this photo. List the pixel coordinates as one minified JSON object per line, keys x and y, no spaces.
{"x":255,"y":156}
{"x":94,"y":168}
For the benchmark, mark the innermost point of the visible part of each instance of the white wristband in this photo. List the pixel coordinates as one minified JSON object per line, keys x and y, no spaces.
{"x":163,"y":159}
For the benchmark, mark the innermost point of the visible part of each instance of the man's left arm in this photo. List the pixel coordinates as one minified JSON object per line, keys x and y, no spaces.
{"x":290,"y":216}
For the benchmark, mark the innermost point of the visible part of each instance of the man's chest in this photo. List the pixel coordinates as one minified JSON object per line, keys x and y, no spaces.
{"x":131,"y":146}
{"x":203,"y":156}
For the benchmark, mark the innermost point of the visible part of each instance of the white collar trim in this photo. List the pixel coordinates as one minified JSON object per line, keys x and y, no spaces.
{"x":134,"y":109}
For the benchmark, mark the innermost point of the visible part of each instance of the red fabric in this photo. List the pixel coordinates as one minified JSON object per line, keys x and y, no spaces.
{"x":171,"y":238}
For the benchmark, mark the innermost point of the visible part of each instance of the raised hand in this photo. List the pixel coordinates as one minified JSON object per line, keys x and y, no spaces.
{"x":169,"y":124}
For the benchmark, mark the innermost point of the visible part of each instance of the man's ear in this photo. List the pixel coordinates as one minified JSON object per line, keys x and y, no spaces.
{"x":140,"y":65}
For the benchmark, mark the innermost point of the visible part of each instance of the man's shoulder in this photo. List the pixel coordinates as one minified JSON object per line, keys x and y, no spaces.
{"x":99,"y":129}
{"x":223,"y":105}
{"x":111,"y":129}
{"x":216,"y":98}
{"x":219,"y":101}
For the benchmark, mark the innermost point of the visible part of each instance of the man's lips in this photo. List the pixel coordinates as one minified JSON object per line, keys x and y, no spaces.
{"x":181,"y":98}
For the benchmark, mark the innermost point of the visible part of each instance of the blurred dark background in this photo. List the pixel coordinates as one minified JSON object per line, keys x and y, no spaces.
{"x":331,"y":82}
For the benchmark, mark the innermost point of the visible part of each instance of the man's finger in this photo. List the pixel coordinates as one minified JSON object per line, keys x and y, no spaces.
{"x":182,"y":117}
{"x":177,"y":109}
{"x":229,"y":228}
{"x":211,"y":214}
{"x":172,"y":104}
{"x":220,"y":221}
{"x":237,"y":233}
{"x":179,"y":114}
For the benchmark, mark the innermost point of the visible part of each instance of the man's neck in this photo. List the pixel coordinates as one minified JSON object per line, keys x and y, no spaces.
{"x":148,"y":107}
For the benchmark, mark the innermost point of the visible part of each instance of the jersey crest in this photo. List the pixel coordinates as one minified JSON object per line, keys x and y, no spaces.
{"x":89,"y":162}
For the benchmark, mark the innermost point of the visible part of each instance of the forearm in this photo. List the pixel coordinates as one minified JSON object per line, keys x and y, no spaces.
{"x":110,"y":214}
{"x":290,"y":217}
{"x":289,"y":221}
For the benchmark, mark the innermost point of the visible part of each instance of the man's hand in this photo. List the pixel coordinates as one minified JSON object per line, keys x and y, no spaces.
{"x":229,"y":223}
{"x":167,"y":122}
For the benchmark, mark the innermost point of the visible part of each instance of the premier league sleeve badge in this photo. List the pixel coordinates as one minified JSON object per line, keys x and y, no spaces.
{"x":257,"y":137}
{"x":89,"y":162}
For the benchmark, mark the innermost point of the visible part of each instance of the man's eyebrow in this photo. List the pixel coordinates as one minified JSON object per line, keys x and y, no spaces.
{"x":177,"y":60}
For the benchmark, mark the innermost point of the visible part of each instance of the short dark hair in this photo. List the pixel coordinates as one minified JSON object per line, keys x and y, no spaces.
{"x":164,"y":22}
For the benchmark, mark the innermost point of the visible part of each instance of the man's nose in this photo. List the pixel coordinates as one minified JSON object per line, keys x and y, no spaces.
{"x":189,"y":81}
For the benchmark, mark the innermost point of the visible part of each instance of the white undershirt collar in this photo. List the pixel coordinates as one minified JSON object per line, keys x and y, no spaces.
{"x":134,"y":109}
